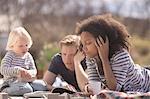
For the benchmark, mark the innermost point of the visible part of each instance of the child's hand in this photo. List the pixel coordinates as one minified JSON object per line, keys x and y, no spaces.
{"x":103,"y":48}
{"x":23,"y":74}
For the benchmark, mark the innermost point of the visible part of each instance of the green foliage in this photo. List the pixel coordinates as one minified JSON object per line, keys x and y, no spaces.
{"x":45,"y":55}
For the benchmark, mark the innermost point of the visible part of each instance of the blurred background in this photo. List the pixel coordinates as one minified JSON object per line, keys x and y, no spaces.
{"x":49,"y":20}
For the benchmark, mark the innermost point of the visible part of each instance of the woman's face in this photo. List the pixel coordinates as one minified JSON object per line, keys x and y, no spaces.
{"x":88,"y":42}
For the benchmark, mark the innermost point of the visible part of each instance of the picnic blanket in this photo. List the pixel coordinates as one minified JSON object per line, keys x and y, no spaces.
{"x":108,"y":94}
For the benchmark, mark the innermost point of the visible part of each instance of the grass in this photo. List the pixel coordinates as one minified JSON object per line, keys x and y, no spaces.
{"x":140,"y":50}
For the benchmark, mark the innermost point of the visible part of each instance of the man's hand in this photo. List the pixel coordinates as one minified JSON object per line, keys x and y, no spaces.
{"x":68,"y":86}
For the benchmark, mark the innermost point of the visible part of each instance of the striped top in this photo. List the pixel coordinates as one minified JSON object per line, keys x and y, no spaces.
{"x":129,"y":76}
{"x":11,"y":64}
{"x":94,"y":73}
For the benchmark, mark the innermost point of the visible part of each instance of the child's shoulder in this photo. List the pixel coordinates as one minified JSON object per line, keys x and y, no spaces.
{"x":10,"y":53}
{"x":28,"y":55}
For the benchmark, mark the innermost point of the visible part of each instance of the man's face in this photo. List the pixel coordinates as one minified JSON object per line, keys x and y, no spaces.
{"x":68,"y":53}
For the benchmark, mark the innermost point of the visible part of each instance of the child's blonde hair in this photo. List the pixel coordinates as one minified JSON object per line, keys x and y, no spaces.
{"x":19,"y":32}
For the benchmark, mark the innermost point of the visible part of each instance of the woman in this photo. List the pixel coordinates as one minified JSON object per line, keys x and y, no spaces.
{"x":106,"y":45}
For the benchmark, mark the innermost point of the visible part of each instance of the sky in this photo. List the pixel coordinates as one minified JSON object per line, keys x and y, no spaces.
{"x":136,"y":6}
{"x":127,"y":6}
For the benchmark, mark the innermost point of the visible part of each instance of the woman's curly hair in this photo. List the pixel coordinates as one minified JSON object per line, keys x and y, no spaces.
{"x":106,"y":26}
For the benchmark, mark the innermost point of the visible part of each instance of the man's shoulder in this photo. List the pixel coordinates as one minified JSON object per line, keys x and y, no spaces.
{"x":56,"y":63}
{"x":57,"y":56}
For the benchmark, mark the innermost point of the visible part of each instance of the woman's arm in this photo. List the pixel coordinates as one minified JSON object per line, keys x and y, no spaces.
{"x":81,"y":76}
{"x":103,"y":51}
{"x":109,"y":75}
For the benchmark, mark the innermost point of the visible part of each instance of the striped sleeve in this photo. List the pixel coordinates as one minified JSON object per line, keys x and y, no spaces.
{"x":32,"y":67}
{"x":120,"y":65}
{"x":6,"y":69}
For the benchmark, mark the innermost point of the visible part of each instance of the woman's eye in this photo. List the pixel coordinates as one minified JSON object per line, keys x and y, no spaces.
{"x":88,"y":43}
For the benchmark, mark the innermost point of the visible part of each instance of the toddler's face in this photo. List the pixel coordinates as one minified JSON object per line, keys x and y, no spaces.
{"x":88,"y":42}
{"x":20,"y":47}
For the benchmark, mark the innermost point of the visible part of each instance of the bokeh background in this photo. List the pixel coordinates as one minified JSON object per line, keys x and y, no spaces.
{"x":49,"y":20}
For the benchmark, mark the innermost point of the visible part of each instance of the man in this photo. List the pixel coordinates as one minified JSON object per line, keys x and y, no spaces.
{"x":63,"y":63}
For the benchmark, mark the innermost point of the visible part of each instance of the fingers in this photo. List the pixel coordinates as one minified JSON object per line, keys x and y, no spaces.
{"x":70,"y":87}
{"x":100,"y":42}
{"x":25,"y":74}
{"x":80,"y":54}
{"x":87,"y":89}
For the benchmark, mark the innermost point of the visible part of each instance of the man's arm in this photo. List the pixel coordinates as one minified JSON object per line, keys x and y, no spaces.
{"x":49,"y":79}
{"x":81,"y":75}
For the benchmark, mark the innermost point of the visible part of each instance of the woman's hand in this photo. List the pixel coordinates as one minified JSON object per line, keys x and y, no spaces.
{"x":88,"y":90}
{"x":103,"y":51}
{"x":79,"y":56}
{"x":103,"y":48}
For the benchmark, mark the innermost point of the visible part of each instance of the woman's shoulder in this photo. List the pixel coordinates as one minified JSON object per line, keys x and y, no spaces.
{"x":123,"y":53}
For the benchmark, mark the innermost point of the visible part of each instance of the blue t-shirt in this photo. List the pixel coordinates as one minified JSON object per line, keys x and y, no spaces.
{"x":58,"y":67}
